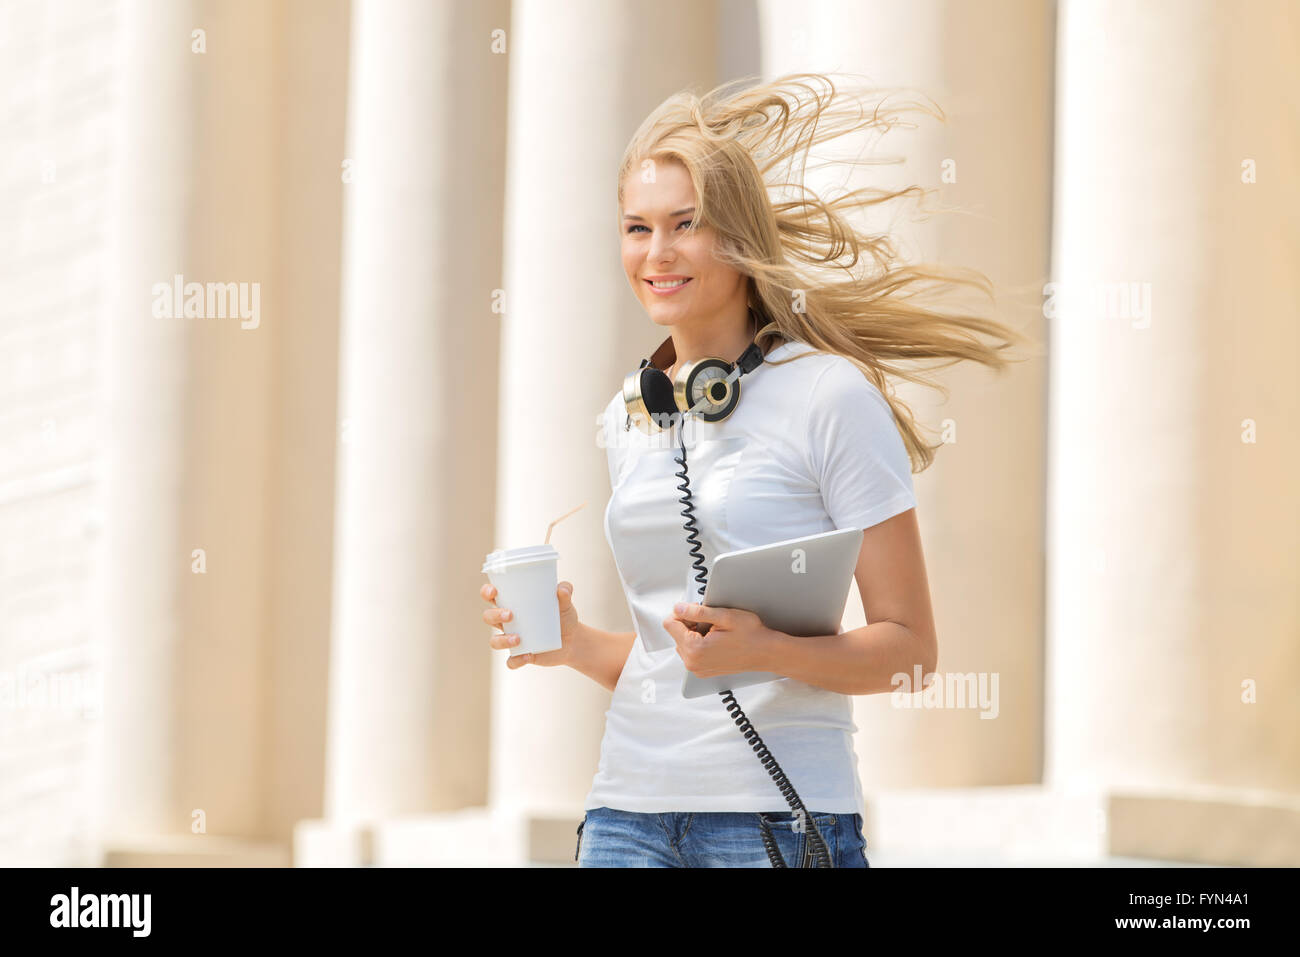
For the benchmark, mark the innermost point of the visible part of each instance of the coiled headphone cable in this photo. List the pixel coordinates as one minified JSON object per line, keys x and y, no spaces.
{"x":816,"y":853}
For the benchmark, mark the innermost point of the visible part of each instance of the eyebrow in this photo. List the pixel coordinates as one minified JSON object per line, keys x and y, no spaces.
{"x":676,"y":212}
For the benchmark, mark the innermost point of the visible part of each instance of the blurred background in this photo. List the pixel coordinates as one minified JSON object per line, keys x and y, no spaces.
{"x":307,"y":305}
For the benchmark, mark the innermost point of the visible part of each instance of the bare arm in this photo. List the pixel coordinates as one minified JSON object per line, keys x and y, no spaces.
{"x":600,"y":655}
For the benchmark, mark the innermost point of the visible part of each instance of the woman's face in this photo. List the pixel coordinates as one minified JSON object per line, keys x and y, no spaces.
{"x":657,"y":246}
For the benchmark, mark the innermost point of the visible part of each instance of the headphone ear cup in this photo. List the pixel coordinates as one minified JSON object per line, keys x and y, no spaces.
{"x":648,"y":397}
{"x":657,"y":393}
{"x":706,"y":380}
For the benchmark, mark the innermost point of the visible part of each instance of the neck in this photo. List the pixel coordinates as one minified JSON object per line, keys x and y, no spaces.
{"x":725,"y":338}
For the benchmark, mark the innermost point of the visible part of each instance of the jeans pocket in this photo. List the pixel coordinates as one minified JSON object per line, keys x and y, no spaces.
{"x":578,"y":849}
{"x":827,"y":827}
{"x":790,"y":821}
{"x":794,"y":834}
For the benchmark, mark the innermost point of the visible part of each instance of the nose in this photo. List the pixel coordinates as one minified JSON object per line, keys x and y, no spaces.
{"x":661,"y":247}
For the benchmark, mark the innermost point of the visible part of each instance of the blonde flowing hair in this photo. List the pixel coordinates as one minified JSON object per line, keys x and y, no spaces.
{"x":814,"y":276}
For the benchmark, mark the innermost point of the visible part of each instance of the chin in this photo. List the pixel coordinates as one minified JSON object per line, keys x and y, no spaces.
{"x":662,"y":318}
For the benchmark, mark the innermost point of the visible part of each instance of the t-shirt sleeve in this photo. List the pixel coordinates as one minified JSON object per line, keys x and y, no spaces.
{"x":855,"y":449}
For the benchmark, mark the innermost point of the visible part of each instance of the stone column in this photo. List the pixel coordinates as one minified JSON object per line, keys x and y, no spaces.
{"x":187,"y":451}
{"x":980,"y":505}
{"x":572,"y":330}
{"x":144,"y":462}
{"x":408,"y":706}
{"x":1174,"y":542}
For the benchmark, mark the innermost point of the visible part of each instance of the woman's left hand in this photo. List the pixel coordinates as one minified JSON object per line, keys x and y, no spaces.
{"x":736,"y":641}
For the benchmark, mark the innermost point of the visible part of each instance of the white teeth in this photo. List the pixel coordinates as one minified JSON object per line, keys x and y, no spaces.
{"x":667,"y":285}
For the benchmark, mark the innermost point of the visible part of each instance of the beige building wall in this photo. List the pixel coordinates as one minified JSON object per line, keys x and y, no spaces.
{"x":169,"y":470}
{"x":54,"y":233}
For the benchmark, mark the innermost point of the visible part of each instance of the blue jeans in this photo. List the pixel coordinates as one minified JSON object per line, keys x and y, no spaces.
{"x":611,"y":838}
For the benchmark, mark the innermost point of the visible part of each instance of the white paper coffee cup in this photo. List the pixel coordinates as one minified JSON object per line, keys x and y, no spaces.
{"x":525,"y":580}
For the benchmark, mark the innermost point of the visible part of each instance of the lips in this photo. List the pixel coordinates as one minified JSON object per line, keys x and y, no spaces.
{"x":668,"y":287}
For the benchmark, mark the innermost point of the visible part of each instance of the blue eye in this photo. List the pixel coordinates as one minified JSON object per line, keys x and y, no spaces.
{"x":636,"y":226}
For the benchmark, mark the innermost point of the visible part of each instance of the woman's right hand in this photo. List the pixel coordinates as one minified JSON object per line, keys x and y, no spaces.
{"x":501,"y":617}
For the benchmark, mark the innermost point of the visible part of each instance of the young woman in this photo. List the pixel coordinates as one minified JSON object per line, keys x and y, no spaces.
{"x":816,"y":442}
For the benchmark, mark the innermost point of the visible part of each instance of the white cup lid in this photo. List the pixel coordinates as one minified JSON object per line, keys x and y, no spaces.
{"x":508,"y":557}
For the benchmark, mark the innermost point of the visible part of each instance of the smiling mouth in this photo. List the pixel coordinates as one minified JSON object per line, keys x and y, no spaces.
{"x":669,"y":285}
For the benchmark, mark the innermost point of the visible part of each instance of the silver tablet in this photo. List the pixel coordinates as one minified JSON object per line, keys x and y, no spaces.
{"x":798,"y":586}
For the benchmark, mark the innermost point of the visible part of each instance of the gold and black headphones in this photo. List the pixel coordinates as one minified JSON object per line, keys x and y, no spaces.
{"x":708,"y":387}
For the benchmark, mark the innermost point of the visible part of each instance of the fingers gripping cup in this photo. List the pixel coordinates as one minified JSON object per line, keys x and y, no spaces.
{"x":525,"y":580}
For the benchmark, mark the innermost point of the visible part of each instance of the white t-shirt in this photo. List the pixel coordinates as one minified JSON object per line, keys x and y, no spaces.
{"x":812,"y":446}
